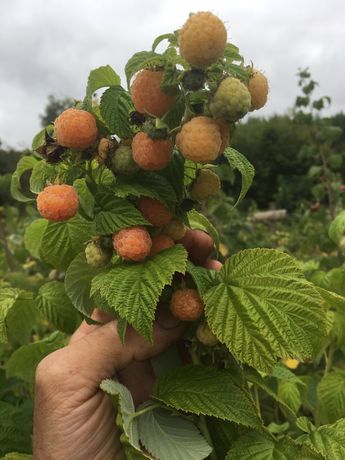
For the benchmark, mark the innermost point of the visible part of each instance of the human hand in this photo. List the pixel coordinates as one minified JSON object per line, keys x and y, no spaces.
{"x":73,"y":418}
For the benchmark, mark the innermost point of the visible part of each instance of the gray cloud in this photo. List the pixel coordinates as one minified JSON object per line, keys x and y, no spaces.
{"x":50,"y":47}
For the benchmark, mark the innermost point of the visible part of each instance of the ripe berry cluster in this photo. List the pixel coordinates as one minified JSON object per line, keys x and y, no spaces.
{"x":202,"y":137}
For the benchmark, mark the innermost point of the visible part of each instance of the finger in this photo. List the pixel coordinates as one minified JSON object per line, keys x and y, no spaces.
{"x":199,"y":245}
{"x":139,"y":378}
{"x":213,"y":265}
{"x":100,"y":354}
{"x":85,"y":328}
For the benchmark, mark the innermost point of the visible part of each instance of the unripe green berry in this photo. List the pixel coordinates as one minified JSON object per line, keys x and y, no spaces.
{"x":205,"y":335}
{"x":205,"y":185}
{"x":231,"y":101}
{"x":96,"y":255}
{"x":122,"y":162}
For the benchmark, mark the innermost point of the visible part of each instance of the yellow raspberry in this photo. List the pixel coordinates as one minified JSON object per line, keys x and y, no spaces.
{"x":205,"y":335}
{"x":161,"y":242}
{"x":149,"y":154}
{"x":133,"y":243}
{"x":202,"y":39}
{"x":186,"y":305}
{"x":76,"y":129}
{"x":291,"y":363}
{"x":176,"y":229}
{"x":258,"y":88}
{"x":58,"y":202}
{"x":199,"y":140}
{"x":231,"y":101}
{"x":147,"y":95}
{"x":154,"y":211}
{"x":206,"y":184}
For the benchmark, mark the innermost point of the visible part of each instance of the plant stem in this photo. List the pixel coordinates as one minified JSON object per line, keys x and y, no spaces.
{"x":329,"y":359}
{"x":144,"y":410}
{"x":202,"y":419}
{"x":257,"y":400}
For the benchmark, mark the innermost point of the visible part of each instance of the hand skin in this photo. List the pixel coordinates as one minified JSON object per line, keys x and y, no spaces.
{"x":73,"y":418}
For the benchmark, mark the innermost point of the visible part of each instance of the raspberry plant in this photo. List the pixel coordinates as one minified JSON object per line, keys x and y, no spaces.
{"x":135,"y":158}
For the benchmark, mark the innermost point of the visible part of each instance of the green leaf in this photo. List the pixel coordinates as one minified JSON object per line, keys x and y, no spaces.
{"x":40,"y":137}
{"x":24,"y":165}
{"x":171,"y":79}
{"x":126,"y":187}
{"x":124,"y":405}
{"x":23,"y":362}
{"x":172,"y":39}
{"x":17,"y":315}
{"x":202,"y":277}
{"x":327,"y":440}
{"x":336,"y":230}
{"x":173,"y":117}
{"x":198,"y":221}
{"x":331,"y":393}
{"x":168,"y":436}
{"x":139,"y":61}
{"x":259,"y":446}
{"x":115,"y":213}
{"x":151,"y":184}
{"x":42,"y":174}
{"x":255,"y":378}
{"x":133,"y":290}
{"x":16,"y":456}
{"x":15,"y":429}
{"x":208,"y":391}
{"x":263,"y":308}
{"x":240,"y":162}
{"x":78,"y":284}
{"x":174,"y":178}
{"x":33,"y":237}
{"x":163,"y":183}
{"x":86,"y":199}
{"x":304,"y":424}
{"x":331,"y":299}
{"x":100,"y":78}
{"x":54,"y":305}
{"x":232,"y":53}
{"x":283,"y":373}
{"x":289,"y":393}
{"x":223,"y":434}
{"x":116,"y":105}
{"x":21,"y":318}
{"x":62,"y":241}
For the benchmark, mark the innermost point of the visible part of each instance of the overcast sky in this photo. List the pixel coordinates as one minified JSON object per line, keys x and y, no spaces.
{"x":49,"y":47}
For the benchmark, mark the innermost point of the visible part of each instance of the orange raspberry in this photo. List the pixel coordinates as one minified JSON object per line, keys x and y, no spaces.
{"x":186,"y":305}
{"x":199,"y":139}
{"x":133,"y":243}
{"x":76,"y":129}
{"x":161,"y":242}
{"x":258,"y":88}
{"x":58,"y":202}
{"x":202,"y":39}
{"x":176,"y":229}
{"x":154,"y":211}
{"x":147,"y":95}
{"x":149,"y":154}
